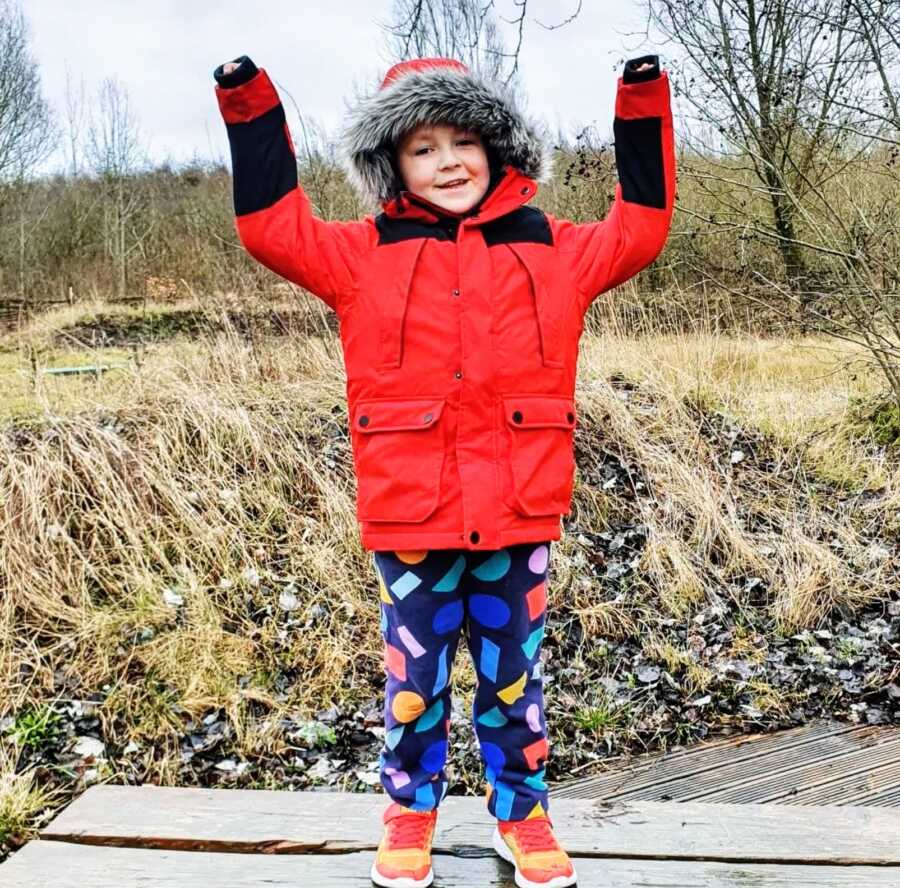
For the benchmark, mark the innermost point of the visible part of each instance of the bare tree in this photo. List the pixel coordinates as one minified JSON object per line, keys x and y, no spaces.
{"x":790,"y":117}
{"x":114,"y":147}
{"x":878,"y":23}
{"x":462,"y":29}
{"x":115,"y":154}
{"x":75,"y":113}
{"x":27,"y":131}
{"x":774,"y":79}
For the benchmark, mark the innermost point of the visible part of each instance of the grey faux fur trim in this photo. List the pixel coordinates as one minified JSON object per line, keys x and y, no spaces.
{"x":437,"y":95}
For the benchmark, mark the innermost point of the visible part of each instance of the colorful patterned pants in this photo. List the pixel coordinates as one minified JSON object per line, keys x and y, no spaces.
{"x":500,"y":597}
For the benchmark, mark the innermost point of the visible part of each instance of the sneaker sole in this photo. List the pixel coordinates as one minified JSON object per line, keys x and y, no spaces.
{"x":504,"y":851}
{"x":402,"y":881}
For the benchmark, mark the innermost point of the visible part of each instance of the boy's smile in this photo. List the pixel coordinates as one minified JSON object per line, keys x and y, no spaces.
{"x":445,"y":165}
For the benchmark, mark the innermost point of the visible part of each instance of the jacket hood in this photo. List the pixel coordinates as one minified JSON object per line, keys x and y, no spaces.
{"x":437,"y":91}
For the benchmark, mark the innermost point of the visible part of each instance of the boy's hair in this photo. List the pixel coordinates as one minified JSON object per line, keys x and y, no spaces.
{"x":436,"y":90}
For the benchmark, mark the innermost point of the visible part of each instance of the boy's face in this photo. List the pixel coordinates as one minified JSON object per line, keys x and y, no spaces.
{"x":433,"y":156}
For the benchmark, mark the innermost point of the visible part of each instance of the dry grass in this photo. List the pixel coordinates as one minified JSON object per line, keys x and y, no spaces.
{"x":20,"y":800}
{"x":174,"y":478}
{"x":155,"y":520}
{"x":797,"y":393}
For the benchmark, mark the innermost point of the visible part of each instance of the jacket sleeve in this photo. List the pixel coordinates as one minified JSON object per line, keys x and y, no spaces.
{"x":273,"y":216}
{"x":604,"y":254}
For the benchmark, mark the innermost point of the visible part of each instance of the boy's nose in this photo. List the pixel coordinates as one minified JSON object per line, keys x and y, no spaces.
{"x":448,"y":158}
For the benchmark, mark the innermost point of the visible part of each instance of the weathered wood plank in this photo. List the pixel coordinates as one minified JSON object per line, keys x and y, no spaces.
{"x":820,"y":770}
{"x":63,"y":865}
{"x":777,"y":767}
{"x":698,"y":758}
{"x":633,"y":771}
{"x":306,"y":822}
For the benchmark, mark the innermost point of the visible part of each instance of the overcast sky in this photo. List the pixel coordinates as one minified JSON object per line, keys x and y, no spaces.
{"x":163,"y":52}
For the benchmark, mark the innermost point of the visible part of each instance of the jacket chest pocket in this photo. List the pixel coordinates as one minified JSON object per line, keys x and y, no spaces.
{"x":386,"y":293}
{"x":399,"y":452}
{"x":551,"y":298}
{"x":539,"y":431}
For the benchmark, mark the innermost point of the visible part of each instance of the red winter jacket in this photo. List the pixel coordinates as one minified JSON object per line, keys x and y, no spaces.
{"x":459,"y":332}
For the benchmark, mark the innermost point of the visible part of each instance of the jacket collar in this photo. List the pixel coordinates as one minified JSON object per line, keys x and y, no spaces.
{"x":512,"y":190}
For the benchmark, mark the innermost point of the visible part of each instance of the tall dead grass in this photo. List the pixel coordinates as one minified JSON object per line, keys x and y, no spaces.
{"x":188,"y":539}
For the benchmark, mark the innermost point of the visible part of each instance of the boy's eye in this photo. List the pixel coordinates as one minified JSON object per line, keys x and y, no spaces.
{"x":458,"y":142}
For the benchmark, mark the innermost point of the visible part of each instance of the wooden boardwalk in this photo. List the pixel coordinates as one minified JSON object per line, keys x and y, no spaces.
{"x":181,"y":838}
{"x":822,"y":763}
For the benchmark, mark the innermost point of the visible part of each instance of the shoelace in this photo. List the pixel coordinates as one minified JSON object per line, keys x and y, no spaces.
{"x":409,"y":831}
{"x":535,"y":835}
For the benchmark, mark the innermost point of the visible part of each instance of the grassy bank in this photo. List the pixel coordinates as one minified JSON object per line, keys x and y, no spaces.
{"x":179,"y":549}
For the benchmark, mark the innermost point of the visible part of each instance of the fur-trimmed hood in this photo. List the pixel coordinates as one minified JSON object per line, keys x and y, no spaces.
{"x":437,"y":91}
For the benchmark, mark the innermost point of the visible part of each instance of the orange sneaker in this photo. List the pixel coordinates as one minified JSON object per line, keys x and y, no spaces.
{"x":530,"y":846}
{"x":403,"y":859}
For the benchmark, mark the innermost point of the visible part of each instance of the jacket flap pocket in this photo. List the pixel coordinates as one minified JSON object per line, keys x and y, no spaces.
{"x":549,"y":301}
{"x":397,"y":264}
{"x":408,"y":414}
{"x":539,"y":411}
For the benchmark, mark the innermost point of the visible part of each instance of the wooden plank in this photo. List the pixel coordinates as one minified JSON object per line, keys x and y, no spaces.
{"x":871,"y":783}
{"x":307,"y":822}
{"x":779,"y":774}
{"x":62,"y":865}
{"x":865,"y":786}
{"x":650,"y":776}
{"x":889,"y":797}
{"x":787,"y":780}
{"x":726,"y":748}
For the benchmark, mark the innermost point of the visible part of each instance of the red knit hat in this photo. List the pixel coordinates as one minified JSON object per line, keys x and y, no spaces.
{"x":412,"y":65}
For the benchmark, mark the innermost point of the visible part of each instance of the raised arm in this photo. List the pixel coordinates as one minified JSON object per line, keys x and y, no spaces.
{"x":604,"y":254}
{"x":273,"y":216}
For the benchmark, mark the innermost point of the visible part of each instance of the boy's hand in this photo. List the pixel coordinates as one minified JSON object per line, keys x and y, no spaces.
{"x":645,"y":67}
{"x":641,"y":69}
{"x":235,"y":72}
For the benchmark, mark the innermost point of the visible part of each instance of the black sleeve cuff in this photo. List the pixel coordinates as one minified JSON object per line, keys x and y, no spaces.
{"x":630,"y":75}
{"x":245,"y":71}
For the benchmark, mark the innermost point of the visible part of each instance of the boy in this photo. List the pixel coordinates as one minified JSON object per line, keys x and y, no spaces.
{"x":460,"y":311}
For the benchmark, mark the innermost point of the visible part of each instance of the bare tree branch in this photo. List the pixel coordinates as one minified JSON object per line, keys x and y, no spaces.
{"x":461,"y":29}
{"x":27,"y":130}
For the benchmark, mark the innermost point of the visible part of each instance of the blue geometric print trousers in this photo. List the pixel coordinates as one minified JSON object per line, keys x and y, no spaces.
{"x":500,"y":599}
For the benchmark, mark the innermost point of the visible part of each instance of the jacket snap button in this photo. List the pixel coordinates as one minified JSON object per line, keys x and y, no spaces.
{"x":364,"y":420}
{"x":524,"y":191}
{"x":517,"y":416}
{"x":427,"y":418}
{"x":458,"y":374}
{"x":474,"y":536}
{"x":456,"y":292}
{"x":570,"y":417}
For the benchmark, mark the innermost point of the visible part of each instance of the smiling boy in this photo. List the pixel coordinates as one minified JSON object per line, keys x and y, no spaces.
{"x":461,"y":308}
